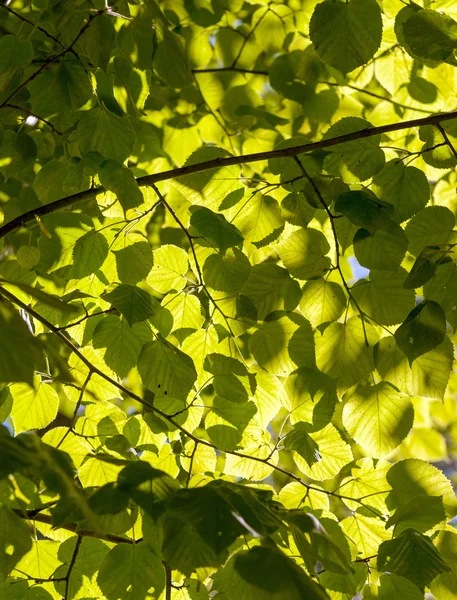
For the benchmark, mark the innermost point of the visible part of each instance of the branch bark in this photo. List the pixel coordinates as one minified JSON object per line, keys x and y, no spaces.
{"x":149,"y":180}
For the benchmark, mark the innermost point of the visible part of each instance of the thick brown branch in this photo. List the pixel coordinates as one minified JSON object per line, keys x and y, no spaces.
{"x":149,"y":180}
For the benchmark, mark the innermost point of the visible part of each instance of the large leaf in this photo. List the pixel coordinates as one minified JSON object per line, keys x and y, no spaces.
{"x":33,"y":407}
{"x":378,"y":417}
{"x":413,"y":556}
{"x":131,"y":570}
{"x":303,"y":253}
{"x":166,"y":370}
{"x":423,"y":330}
{"x":343,"y":353}
{"x":347,"y":35}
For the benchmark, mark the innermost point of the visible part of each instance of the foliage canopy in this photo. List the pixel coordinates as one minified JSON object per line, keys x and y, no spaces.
{"x":228,"y":292}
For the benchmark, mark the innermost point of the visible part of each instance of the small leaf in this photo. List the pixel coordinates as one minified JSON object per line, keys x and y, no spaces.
{"x":14,"y":53}
{"x":431,"y":34}
{"x":215,"y":228}
{"x":33,"y":407}
{"x":421,"y":513}
{"x":15,"y":540}
{"x":303,"y":253}
{"x":364,"y":209}
{"x":133,"y":302}
{"x":378,"y":417}
{"x":102,"y":131}
{"x":299,"y":440}
{"x":170,"y":265}
{"x":166,"y":370}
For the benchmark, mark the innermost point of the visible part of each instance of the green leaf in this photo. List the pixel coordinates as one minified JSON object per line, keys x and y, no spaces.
{"x":260,"y":218}
{"x":121,"y":181}
{"x":100,"y":130}
{"x":367,"y":480}
{"x":311,"y":397}
{"x":346,"y":36}
{"x":98,"y":40}
{"x":132,"y":571}
{"x":392,"y":585}
{"x":421,"y":514}
{"x":170,"y":266}
{"x":14,"y":53}
{"x":19,"y":351}
{"x":413,"y":556}
{"x":28,"y":256}
{"x":17,"y":153}
{"x":363,"y":209}
{"x":428,"y":375}
{"x":227,"y":272}
{"x":270,"y":346}
{"x":15,"y":540}
{"x":134,"y":258}
{"x":215,"y":228}
{"x":60,"y":92}
{"x":442,"y":288}
{"x":299,"y":440}
{"x":405,"y":187}
{"x":377,"y":417}
{"x":432,"y":226}
{"x":383,"y":249}
{"x":423,"y":330}
{"x":133,"y":302}
{"x":123,"y":342}
{"x":431,"y":34}
{"x":267,"y":287}
{"x":33,"y":407}
{"x":342,"y":352}
{"x":208,"y":188}
{"x":335,"y":454}
{"x":424,"y":267}
{"x":383,"y":297}
{"x":414,"y":478}
{"x":322,"y":301}
{"x":165,"y":370}
{"x":169,"y":58}
{"x":303,"y":253}
{"x":271,"y":571}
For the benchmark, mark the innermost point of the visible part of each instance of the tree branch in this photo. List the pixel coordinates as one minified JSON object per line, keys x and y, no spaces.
{"x":149,"y":180}
{"x":47,"y":519}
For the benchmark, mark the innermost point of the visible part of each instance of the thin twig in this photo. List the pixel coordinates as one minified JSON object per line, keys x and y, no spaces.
{"x":192,"y":456}
{"x":71,"y":565}
{"x":75,"y":412}
{"x":168,"y":581}
{"x":447,"y":140}
{"x":32,"y":114}
{"x":47,"y":519}
{"x":96,"y":314}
